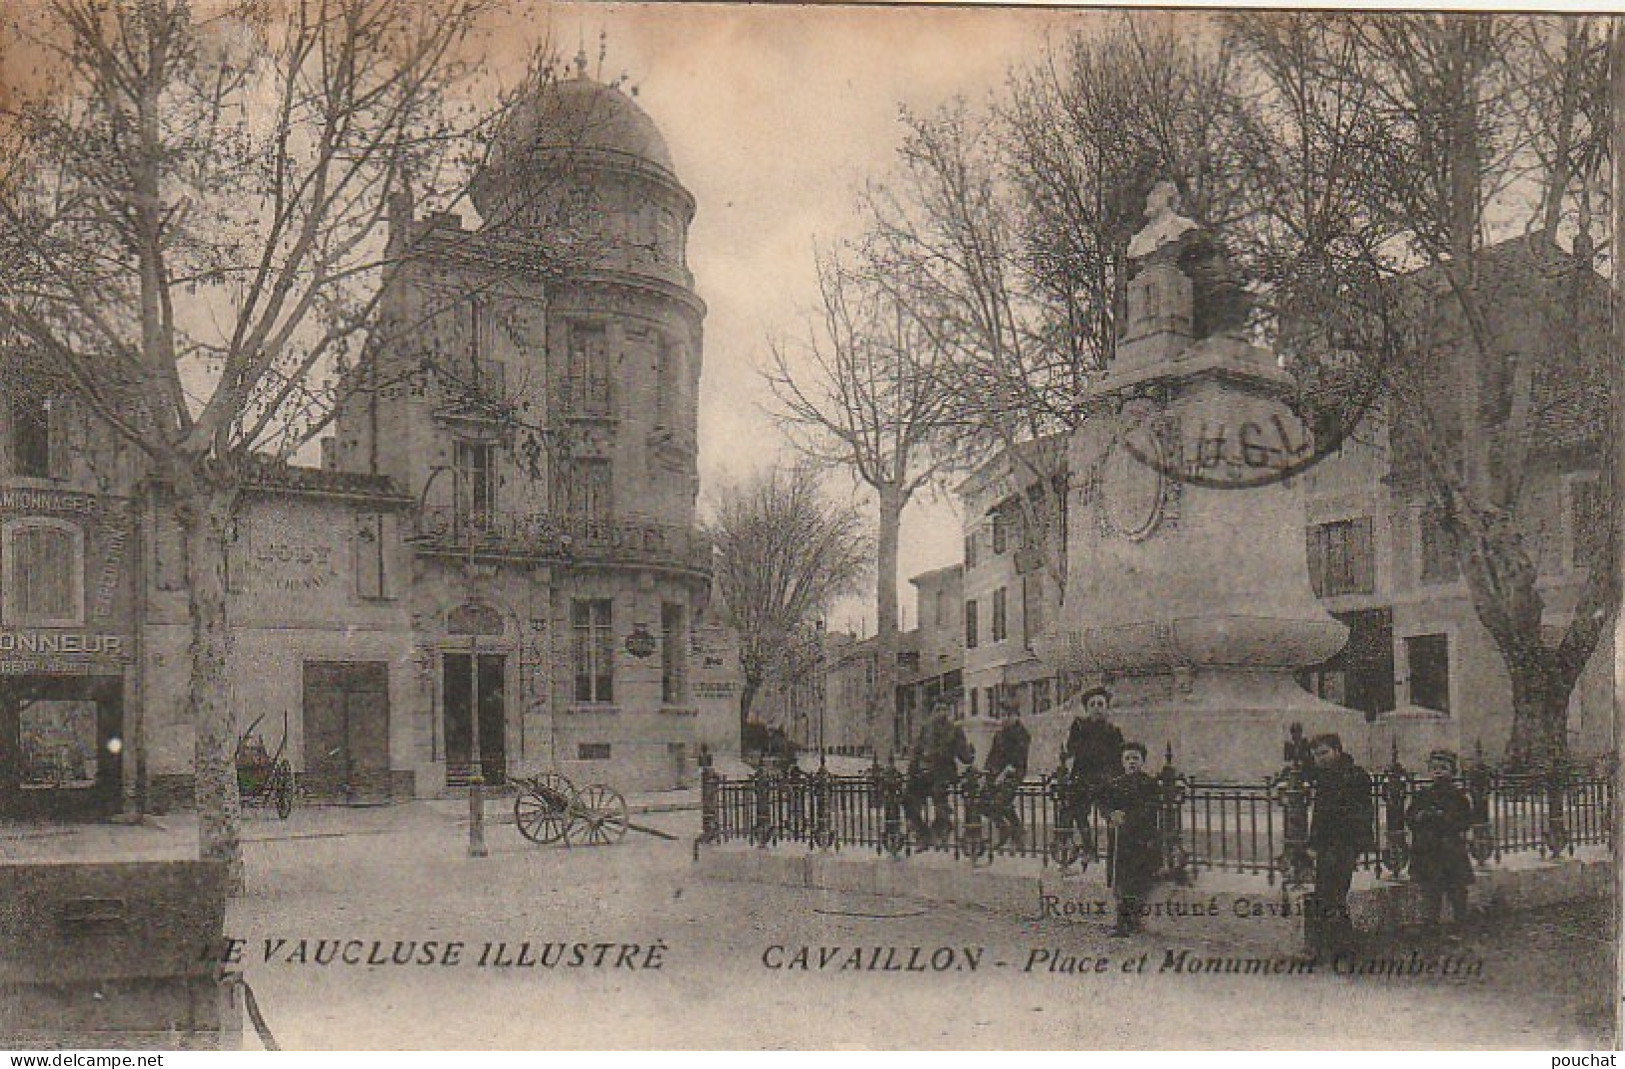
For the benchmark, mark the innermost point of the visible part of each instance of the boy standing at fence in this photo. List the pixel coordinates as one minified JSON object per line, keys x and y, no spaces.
{"x":1094,"y":748}
{"x":1133,"y":801}
{"x":1006,"y":768}
{"x":1340,"y":830}
{"x":1439,"y":817}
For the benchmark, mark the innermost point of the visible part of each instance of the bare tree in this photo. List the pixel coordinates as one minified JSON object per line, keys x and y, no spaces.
{"x":868,"y":391}
{"x":1403,"y":142}
{"x":784,"y":556}
{"x":1005,"y":231}
{"x":193,"y":220}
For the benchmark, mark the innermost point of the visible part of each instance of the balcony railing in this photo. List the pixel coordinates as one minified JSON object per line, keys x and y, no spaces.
{"x":565,"y":540}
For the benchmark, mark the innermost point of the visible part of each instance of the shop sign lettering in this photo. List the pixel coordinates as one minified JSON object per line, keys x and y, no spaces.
{"x":38,"y":642}
{"x":289,"y":566}
{"x":50,"y":501}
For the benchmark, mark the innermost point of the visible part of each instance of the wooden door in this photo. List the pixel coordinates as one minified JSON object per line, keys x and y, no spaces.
{"x":347,"y":731}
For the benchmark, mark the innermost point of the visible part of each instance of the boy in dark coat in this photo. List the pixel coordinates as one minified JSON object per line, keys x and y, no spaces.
{"x":1093,"y":750}
{"x":933,"y":768}
{"x":1133,"y":800}
{"x":1340,"y":830}
{"x":1006,"y":768}
{"x":1439,"y":817}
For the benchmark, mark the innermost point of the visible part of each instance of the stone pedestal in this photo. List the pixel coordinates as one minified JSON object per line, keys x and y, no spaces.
{"x":1187,"y":576}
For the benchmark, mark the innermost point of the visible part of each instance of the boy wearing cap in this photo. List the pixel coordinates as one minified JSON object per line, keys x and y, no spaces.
{"x":1439,"y":817}
{"x":1093,"y":750}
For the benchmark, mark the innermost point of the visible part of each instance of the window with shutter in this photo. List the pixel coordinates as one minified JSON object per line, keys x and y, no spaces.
{"x":371,"y":561}
{"x":31,"y":437}
{"x":1341,"y":558}
{"x":589,"y":370}
{"x":587,"y":489}
{"x":42,"y":574}
{"x":1587,"y":522}
{"x":236,"y":558}
{"x":168,"y":553}
{"x":1439,"y":563}
{"x":476,"y":477}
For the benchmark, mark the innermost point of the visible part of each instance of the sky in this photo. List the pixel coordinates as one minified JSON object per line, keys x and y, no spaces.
{"x":775,"y":115}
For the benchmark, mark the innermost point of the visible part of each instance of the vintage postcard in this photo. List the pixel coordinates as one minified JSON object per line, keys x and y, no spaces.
{"x":651,"y":525}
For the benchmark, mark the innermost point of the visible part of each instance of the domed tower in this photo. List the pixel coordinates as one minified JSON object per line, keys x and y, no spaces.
{"x":581,"y":177}
{"x":552,"y":453}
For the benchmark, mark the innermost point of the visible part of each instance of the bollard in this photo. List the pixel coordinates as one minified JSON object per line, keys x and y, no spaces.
{"x":710,"y":822}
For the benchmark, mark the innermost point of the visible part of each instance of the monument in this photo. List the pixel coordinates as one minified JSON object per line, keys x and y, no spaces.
{"x":1188,"y":587}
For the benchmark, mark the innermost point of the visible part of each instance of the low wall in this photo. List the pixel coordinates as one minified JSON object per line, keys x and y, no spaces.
{"x":1218,"y":908}
{"x":1391,"y":906}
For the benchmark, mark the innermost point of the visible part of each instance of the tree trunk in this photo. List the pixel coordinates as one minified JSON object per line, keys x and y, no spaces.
{"x":883,"y":729}
{"x":206,"y":517}
{"x":1540,"y":709}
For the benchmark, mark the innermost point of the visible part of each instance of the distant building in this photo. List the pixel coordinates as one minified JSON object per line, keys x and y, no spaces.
{"x":1011,"y":577}
{"x":795,"y":697}
{"x":933,"y":672}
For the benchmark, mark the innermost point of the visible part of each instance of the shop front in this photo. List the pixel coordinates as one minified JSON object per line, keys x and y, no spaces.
{"x":65,"y":649}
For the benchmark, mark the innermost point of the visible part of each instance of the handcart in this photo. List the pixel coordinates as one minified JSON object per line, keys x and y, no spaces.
{"x":550,"y":809}
{"x":264,"y":778}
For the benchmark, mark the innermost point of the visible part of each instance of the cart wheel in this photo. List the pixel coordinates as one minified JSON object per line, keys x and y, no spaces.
{"x":600,"y":816}
{"x":282,"y":789}
{"x":541,"y":810}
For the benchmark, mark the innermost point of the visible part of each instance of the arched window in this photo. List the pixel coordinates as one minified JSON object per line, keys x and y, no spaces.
{"x":42,"y":573}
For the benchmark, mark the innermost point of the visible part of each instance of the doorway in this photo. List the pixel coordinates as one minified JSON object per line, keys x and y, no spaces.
{"x":347,"y":731}
{"x":457,"y":686}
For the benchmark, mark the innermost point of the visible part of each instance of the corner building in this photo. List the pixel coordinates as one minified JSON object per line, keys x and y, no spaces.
{"x":555,"y":569}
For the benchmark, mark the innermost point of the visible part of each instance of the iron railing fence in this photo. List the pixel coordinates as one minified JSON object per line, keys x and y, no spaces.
{"x":1258,"y":827}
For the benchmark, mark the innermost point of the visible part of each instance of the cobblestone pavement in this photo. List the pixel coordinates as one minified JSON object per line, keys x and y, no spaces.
{"x":721,"y":965}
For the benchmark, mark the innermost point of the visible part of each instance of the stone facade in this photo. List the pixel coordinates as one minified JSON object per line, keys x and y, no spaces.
{"x":549,"y":436}
{"x":323,"y":661}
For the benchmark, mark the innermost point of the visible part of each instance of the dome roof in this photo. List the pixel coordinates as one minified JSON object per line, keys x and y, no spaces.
{"x":581,"y":119}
